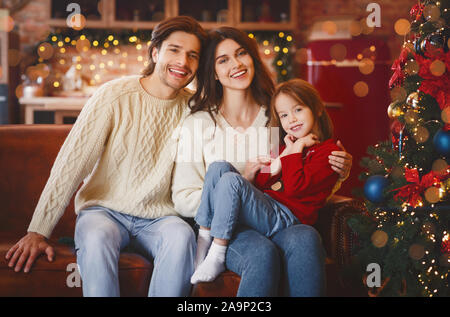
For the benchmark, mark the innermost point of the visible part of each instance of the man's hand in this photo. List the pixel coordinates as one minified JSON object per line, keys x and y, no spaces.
{"x":341,"y":162}
{"x":28,"y":249}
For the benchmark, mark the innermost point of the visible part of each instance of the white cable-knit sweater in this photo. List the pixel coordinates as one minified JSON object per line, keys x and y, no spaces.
{"x":122,"y":146}
{"x":202,"y":142}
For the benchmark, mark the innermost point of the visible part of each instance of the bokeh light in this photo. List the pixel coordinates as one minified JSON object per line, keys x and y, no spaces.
{"x":445,"y":115}
{"x":437,"y":68}
{"x":398,"y":94}
{"x":421,"y":134}
{"x":439,"y":166}
{"x":329,"y":27}
{"x":361,"y":89}
{"x":301,"y":56}
{"x":366,"y":66}
{"x":416,"y":251}
{"x":78,"y":22}
{"x":431,"y":12}
{"x":432,"y":195}
{"x":355,"y":28}
{"x":379,"y":238}
{"x":45,"y":51}
{"x":402,"y":27}
{"x":338,"y":52}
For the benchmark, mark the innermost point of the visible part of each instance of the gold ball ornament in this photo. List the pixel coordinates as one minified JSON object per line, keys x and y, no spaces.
{"x":413,"y":99}
{"x":379,"y":238}
{"x":394,"y":110}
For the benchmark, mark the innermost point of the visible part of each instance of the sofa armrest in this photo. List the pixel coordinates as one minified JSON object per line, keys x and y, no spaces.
{"x":337,"y":237}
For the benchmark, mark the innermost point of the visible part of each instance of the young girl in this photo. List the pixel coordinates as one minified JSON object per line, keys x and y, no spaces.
{"x":298,"y":185}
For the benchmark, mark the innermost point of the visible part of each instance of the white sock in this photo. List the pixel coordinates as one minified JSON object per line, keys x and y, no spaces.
{"x":204,"y":240}
{"x":212,"y":266}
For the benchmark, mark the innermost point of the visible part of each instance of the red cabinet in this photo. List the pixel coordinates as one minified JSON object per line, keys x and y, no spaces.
{"x":352,"y":78}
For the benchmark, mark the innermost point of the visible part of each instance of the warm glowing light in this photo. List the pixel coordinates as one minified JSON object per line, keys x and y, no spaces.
{"x":402,"y":27}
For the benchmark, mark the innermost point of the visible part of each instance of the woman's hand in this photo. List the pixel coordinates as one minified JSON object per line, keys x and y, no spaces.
{"x":341,"y":162}
{"x":253,"y":166}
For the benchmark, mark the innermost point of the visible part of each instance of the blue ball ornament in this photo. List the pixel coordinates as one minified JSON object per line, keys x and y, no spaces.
{"x":441,"y":142}
{"x":374,"y":188}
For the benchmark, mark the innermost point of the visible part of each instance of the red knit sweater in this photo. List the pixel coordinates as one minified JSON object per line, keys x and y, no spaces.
{"x":307,"y":180}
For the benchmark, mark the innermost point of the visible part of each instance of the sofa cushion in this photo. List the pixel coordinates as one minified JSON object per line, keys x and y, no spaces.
{"x":52,"y":278}
{"x":26,"y":158}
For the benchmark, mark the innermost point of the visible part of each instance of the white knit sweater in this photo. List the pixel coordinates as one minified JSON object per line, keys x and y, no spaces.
{"x":203,"y":142}
{"x":122,"y":146}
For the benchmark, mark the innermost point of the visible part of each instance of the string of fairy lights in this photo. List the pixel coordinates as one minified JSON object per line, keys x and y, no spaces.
{"x":64,"y":44}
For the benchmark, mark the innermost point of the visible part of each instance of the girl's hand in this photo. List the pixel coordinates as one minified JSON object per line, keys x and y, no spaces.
{"x":299,"y":144}
{"x":289,"y":142}
{"x":307,"y":141}
{"x":253,"y":166}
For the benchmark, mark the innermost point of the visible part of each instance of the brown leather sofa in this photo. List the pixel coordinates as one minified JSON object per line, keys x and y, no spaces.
{"x":27,"y":153}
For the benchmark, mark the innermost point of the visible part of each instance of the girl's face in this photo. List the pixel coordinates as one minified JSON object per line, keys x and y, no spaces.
{"x":296,"y":118}
{"x":234,"y":65}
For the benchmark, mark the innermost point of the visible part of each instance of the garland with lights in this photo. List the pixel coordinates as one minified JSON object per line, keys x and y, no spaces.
{"x":407,"y":185}
{"x":277,"y":43}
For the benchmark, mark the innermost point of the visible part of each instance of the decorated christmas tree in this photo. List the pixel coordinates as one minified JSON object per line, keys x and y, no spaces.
{"x":407,"y":184}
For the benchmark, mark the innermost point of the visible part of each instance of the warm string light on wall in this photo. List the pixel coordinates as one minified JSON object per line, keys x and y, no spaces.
{"x":63,"y":44}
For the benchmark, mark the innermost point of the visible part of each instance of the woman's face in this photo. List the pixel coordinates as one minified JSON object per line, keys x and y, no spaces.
{"x":233,"y":65}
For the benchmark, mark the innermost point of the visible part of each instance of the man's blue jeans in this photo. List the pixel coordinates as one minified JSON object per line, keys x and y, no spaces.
{"x":101,"y":233}
{"x":228,"y":198}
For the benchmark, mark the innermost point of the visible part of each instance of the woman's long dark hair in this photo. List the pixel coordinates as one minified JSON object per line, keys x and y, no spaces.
{"x":209,"y":92}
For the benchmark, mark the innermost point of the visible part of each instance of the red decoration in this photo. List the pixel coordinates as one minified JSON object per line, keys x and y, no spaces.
{"x":436,"y":86}
{"x":416,"y":12}
{"x":445,"y":246}
{"x":399,"y":76}
{"x":411,"y":193}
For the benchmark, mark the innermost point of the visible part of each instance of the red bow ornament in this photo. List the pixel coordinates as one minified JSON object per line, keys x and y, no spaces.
{"x":411,"y":193}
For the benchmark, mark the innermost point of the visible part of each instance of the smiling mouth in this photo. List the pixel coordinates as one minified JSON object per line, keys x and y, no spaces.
{"x":239,"y":74}
{"x":296,"y":127}
{"x":178,"y":72}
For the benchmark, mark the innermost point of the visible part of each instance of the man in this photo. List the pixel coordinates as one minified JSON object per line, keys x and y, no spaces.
{"x":121,"y":143}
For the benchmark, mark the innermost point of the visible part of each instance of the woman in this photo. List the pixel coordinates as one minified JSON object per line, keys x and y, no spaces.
{"x":230,"y":121}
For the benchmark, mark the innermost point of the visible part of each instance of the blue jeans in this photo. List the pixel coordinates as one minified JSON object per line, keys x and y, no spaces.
{"x":100,"y":235}
{"x":291,"y":263}
{"x":228,"y":198}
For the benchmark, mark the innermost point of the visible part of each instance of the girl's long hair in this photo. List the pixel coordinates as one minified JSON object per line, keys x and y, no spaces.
{"x":209,"y":94}
{"x":305,"y":94}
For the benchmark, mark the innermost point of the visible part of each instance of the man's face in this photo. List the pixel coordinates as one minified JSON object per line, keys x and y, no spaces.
{"x":176,"y":61}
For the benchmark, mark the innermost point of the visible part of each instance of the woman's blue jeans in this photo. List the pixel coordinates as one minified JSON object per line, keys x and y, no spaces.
{"x":100,"y":235}
{"x":228,"y":198}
